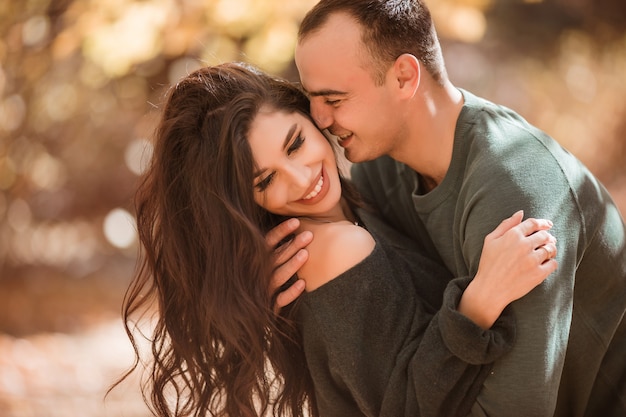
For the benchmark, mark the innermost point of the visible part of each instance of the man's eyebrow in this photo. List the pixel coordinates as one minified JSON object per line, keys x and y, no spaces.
{"x":327,"y":92}
{"x":290,"y":133}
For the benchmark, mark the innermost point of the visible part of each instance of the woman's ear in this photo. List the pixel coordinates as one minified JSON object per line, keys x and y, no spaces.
{"x":407,"y":72}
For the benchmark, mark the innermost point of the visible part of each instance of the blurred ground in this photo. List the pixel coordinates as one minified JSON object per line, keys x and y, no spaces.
{"x":64,"y":345}
{"x":67,"y":374}
{"x":80,"y":86}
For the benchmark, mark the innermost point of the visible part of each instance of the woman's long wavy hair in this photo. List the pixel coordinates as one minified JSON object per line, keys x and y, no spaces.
{"x":218,"y":347}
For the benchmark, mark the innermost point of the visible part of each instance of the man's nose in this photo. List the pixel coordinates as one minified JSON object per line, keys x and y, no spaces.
{"x":322,"y":114}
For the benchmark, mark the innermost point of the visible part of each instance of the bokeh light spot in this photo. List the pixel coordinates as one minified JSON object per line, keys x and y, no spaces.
{"x":137,"y":155}
{"x":461,"y":22}
{"x":35,"y":30}
{"x":119,"y":228}
{"x":221,"y":49}
{"x":47,"y":172}
{"x":239,"y":17}
{"x":19,"y":215}
{"x":182,"y":67}
{"x":7,"y":173}
{"x":3,"y":205}
{"x":61,"y":101}
{"x":581,"y":82}
{"x":272,"y":49}
{"x":3,"y":75}
{"x":62,"y":243}
{"x":12,"y":112}
{"x":132,"y":38}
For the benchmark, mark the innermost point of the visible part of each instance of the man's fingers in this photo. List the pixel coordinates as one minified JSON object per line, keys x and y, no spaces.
{"x":290,"y":294}
{"x":287,"y":250}
{"x":286,"y":270}
{"x":288,"y":259}
{"x":280,"y":232}
{"x":282,"y":275}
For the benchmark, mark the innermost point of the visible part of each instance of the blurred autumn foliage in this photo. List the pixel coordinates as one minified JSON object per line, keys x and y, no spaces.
{"x":80,"y":86}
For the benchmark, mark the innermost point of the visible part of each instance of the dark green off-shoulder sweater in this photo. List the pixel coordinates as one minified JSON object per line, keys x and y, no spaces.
{"x":377,"y":346}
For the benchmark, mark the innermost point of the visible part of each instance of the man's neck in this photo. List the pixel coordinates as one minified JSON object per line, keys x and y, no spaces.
{"x":432,"y":124}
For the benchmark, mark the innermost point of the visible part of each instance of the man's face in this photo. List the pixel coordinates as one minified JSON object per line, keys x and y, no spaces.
{"x":344,"y":96}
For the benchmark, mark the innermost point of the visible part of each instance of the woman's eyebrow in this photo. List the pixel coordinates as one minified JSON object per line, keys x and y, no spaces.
{"x":290,"y":133}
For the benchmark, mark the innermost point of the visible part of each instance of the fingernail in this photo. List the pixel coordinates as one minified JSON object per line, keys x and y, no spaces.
{"x":293,"y":222}
{"x":307,"y":235}
{"x":302,"y":254}
{"x":299,"y":285}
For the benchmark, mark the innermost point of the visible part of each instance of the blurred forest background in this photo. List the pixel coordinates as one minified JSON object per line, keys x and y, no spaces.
{"x":80,"y":86}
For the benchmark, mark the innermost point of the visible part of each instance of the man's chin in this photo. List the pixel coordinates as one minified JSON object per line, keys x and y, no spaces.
{"x":353,"y":157}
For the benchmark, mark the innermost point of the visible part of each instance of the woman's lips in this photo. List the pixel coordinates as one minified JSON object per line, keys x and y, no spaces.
{"x":317,"y":191}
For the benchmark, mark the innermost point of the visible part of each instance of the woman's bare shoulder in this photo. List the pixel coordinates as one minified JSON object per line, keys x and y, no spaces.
{"x":336,"y":247}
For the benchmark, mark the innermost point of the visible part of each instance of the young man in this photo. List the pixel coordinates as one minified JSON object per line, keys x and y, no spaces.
{"x":445,"y":167}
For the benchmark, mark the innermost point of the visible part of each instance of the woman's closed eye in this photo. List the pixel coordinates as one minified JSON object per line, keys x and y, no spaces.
{"x":297,"y":144}
{"x":265,"y":182}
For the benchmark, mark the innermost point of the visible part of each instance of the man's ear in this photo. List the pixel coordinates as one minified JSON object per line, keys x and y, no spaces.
{"x":407,"y":72}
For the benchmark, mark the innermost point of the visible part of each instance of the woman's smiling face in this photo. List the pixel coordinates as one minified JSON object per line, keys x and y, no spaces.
{"x":296,"y":172}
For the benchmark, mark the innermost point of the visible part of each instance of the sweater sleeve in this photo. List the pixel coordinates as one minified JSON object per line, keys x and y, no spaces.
{"x":497,"y":186}
{"x":455,"y":356}
{"x":374,"y":349}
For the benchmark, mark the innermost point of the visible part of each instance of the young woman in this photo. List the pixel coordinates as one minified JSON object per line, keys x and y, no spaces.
{"x":236,"y":153}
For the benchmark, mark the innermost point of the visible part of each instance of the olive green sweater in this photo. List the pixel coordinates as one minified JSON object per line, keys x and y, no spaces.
{"x":569,"y":357}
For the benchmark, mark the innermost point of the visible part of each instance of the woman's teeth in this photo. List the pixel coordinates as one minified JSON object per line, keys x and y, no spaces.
{"x":316,"y":190}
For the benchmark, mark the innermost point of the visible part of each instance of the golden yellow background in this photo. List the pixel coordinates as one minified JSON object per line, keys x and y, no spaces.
{"x":81,"y":82}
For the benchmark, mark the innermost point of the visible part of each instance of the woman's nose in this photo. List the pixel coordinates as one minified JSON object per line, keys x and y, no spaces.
{"x":299,"y":175}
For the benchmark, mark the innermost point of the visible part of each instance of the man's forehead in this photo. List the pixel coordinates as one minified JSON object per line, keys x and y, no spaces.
{"x":326,"y":57}
{"x":337,"y":23}
{"x":340,"y":31}
{"x":324,"y":79}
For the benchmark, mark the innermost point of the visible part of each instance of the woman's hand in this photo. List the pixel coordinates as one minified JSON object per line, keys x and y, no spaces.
{"x":289,"y":256}
{"x":517,"y":256}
